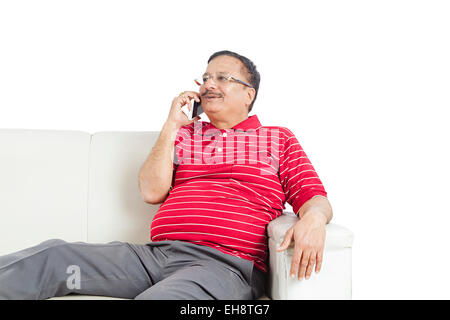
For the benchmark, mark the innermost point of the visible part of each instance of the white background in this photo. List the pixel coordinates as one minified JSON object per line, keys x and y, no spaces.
{"x":364,"y":85}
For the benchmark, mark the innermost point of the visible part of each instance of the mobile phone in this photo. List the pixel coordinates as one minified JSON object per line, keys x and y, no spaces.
{"x":196,"y":109}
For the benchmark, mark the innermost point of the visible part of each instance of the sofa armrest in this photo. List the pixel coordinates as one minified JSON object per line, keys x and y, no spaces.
{"x":334,"y":279}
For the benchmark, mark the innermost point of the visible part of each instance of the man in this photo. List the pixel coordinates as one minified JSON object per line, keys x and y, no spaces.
{"x":220,"y":183}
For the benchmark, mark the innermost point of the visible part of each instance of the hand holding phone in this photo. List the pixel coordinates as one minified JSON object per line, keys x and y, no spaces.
{"x":180,"y":105}
{"x":195,"y":111}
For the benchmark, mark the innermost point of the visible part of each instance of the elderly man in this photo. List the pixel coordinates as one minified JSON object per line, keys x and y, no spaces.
{"x":226,"y":203}
{"x":220,"y":183}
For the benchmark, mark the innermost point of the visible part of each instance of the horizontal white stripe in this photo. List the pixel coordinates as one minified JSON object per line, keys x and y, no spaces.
{"x":216,"y":183}
{"x":220,"y":160}
{"x":257,"y":177}
{"x":263,"y":156}
{"x":228,"y":174}
{"x":306,"y":185}
{"x":232,"y":176}
{"x":294,"y":167}
{"x":212,"y":234}
{"x":287,"y":139}
{"x":226,"y":148}
{"x":267,"y":211}
{"x":222,"y":204}
{"x":277,"y":191}
{"x":205,"y":209}
{"x":241,"y":132}
{"x":184,"y":134}
{"x":274,"y":171}
{"x":272,"y":138}
{"x":292,"y":145}
{"x":288,"y":135}
{"x":292,"y":160}
{"x":228,"y":246}
{"x":210,"y":217}
{"x":254,"y":192}
{"x":303,"y":171}
{"x":209,"y":190}
{"x":264,"y":138}
{"x":207,"y":225}
{"x":188,"y":188}
{"x":293,"y":187}
{"x":294,"y":154}
{"x":246,"y":253}
{"x":280,"y":192}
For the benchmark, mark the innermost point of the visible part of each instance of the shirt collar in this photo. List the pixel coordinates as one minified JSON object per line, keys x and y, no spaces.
{"x":249,"y":124}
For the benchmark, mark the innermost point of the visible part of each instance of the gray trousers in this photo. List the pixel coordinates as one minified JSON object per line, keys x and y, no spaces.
{"x":154,"y":271}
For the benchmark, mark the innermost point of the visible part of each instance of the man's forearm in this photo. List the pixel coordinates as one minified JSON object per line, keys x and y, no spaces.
{"x":319,"y":207}
{"x":155,"y":176}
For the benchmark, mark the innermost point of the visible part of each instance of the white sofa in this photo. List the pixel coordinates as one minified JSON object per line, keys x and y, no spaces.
{"x":77,"y":186}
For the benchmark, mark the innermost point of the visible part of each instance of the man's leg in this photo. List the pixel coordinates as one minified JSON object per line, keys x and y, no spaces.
{"x":202,"y":273}
{"x":57,"y":268}
{"x":203,"y":280}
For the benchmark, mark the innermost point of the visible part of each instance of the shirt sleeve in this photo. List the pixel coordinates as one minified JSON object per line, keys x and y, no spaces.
{"x":298,"y":177}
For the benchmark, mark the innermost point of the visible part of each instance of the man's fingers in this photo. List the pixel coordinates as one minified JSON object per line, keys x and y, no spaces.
{"x":287,"y":240}
{"x":192,"y":95}
{"x":319,"y":261}
{"x":312,"y":262}
{"x":186,"y":97}
{"x":284,"y":245}
{"x":295,"y":262}
{"x":188,"y":102}
{"x":303,"y":264}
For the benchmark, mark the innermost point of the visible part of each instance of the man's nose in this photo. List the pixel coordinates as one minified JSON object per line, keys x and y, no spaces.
{"x":210,"y":84}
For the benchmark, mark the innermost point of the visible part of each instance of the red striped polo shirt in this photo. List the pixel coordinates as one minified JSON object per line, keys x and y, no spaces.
{"x":228,"y":184}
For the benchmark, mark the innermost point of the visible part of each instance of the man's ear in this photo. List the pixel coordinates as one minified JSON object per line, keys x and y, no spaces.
{"x":251,"y":95}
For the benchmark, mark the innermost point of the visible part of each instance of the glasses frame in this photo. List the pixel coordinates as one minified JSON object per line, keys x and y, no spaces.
{"x":229,"y":78}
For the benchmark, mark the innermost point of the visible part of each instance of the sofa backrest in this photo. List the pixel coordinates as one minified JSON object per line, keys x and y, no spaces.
{"x":116,"y":210}
{"x":72,"y":185}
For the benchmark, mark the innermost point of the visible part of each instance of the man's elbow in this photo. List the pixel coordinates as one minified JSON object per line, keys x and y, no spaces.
{"x":154,"y":198}
{"x":149,"y":194}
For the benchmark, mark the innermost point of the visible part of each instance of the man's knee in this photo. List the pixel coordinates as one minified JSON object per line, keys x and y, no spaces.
{"x":53,"y":246}
{"x":174,"y":290}
{"x":53,"y":242}
{"x":204,"y":281}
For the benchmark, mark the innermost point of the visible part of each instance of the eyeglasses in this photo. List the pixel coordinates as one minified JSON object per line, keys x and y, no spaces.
{"x":222,"y":79}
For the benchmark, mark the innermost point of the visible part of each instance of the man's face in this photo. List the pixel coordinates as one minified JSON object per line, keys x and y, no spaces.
{"x":224,"y":98}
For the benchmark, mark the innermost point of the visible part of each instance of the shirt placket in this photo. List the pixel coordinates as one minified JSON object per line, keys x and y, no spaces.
{"x":219,"y":147}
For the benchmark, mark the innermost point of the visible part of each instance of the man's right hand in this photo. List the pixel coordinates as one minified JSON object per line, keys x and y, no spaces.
{"x":176,"y":115}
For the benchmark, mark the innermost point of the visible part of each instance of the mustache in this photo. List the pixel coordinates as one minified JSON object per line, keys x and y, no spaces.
{"x":207,"y":92}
